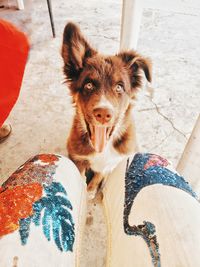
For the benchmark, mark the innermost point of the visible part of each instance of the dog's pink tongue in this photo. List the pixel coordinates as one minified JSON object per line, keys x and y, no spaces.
{"x":99,"y":138}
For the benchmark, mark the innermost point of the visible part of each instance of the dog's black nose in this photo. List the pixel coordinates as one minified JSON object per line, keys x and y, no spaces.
{"x":103,"y":115}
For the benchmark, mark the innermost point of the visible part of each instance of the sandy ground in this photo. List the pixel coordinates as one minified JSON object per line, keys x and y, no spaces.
{"x":41,"y":119}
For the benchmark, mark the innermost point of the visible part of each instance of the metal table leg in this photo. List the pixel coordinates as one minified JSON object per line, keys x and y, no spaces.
{"x":51,"y":18}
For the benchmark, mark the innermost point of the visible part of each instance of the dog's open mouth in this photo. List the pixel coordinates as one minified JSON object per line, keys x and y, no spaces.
{"x":99,"y":136}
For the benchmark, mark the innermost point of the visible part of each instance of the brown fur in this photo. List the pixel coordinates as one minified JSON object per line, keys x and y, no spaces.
{"x":90,"y":76}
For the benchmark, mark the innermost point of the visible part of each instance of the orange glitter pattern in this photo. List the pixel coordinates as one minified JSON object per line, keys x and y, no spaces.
{"x":156,"y":160}
{"x":48,"y":158}
{"x":15,"y":204}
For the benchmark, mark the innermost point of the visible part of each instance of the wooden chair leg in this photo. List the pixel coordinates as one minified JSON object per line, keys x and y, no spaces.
{"x":189,"y":163}
{"x":20,"y":4}
{"x":130,"y":25}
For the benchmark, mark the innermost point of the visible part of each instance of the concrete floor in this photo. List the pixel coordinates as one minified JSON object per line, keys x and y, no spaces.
{"x":42,"y":116}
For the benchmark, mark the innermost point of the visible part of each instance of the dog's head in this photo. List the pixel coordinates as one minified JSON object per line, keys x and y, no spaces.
{"x":102,"y":87}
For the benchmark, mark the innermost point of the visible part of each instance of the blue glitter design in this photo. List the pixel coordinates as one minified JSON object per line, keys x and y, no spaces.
{"x":24,"y":229}
{"x":56,"y":218}
{"x":137,"y":177}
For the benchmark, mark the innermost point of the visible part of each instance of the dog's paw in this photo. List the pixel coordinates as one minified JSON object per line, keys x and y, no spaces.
{"x":92,"y":194}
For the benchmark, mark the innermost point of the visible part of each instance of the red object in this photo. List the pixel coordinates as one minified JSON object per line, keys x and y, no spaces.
{"x":14,"y":47}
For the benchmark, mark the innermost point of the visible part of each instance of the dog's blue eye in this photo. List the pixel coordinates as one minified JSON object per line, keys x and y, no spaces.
{"x":119,"y":88}
{"x":89,"y":86}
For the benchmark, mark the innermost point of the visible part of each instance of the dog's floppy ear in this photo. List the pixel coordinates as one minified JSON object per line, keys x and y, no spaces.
{"x":134,"y":63}
{"x":75,"y":49}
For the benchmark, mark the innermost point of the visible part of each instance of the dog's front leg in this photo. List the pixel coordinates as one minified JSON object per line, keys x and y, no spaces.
{"x":82,"y":165}
{"x":94,"y":184}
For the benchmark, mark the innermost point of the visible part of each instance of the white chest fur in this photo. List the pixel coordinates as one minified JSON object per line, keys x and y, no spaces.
{"x":106,"y":161}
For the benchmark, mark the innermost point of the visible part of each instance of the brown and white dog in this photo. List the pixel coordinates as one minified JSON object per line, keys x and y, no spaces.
{"x":103,"y":89}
